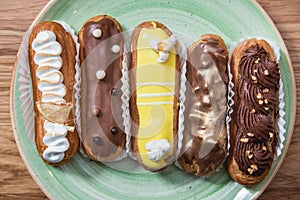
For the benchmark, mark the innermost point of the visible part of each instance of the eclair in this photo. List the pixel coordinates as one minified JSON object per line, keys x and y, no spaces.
{"x":154,"y":82}
{"x":101,"y":53}
{"x":253,"y":130}
{"x":205,"y":135}
{"x":52,"y":58}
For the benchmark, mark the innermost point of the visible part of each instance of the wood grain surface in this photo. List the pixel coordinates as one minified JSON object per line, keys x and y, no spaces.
{"x":15,"y":18}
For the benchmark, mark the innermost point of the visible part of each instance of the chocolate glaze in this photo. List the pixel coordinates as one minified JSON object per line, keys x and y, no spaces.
{"x":102,"y":133}
{"x":257,"y":92}
{"x":204,"y":149}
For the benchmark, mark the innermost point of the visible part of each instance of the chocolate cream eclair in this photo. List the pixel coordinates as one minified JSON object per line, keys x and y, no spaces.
{"x":205,"y":135}
{"x":101,"y":54}
{"x":253,"y":130}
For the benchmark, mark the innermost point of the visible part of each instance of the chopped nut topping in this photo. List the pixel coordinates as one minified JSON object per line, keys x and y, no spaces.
{"x":266,"y":72}
{"x":254,"y":167}
{"x":196,"y":89}
{"x":266,"y":101}
{"x":266,"y":90}
{"x":250,"y":134}
{"x":259,"y":96}
{"x":264,"y":148}
{"x":253,"y":110}
{"x":239,"y":76}
{"x":267,"y":108}
{"x":260,"y":102}
{"x":253,"y":78}
{"x":255,"y":70}
{"x":250,"y":156}
{"x":271,"y":134}
{"x":257,"y":60}
{"x":248,"y":152}
{"x":250,"y":170}
{"x":244,"y":140}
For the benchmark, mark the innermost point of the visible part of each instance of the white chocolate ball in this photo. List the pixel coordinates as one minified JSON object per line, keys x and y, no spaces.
{"x":97,"y":33}
{"x":115,"y":49}
{"x":100,"y":74}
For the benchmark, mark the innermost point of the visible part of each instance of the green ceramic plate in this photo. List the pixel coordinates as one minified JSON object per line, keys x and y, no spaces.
{"x":84,"y":179}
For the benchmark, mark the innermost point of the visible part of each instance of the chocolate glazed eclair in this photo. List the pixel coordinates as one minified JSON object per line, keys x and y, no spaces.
{"x":205,"y":135}
{"x":101,"y":49}
{"x":253,"y":132}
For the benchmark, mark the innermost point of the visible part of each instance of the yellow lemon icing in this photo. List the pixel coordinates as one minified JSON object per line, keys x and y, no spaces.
{"x":155,"y":83}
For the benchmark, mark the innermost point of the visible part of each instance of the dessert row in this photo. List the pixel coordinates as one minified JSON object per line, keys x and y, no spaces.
{"x":177,"y":100}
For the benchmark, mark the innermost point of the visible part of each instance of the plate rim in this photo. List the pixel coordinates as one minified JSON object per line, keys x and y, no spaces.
{"x":287,"y":139}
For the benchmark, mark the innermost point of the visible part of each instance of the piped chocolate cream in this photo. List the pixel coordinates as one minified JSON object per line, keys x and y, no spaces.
{"x":205,"y":136}
{"x":257,"y":91}
{"x":101,"y":57}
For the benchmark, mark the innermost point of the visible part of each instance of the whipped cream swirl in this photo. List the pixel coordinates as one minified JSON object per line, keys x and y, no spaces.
{"x":47,"y":57}
{"x":157,"y":149}
{"x":56,"y":141}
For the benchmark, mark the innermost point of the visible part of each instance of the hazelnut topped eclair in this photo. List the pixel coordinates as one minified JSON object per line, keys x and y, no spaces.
{"x":101,"y":53}
{"x":253,"y":127}
{"x":205,"y":135}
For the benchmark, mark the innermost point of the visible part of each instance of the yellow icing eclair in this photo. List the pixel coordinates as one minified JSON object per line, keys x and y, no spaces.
{"x":154,"y":102}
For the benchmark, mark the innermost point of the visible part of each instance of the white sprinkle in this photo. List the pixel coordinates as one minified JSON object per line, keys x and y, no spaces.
{"x":100,"y":74}
{"x":97,"y":33}
{"x":115,"y":49}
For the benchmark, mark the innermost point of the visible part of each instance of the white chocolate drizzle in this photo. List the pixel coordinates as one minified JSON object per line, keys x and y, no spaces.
{"x":157,"y":149}
{"x":47,"y":57}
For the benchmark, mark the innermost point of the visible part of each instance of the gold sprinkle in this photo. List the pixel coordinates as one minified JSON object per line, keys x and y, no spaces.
{"x":250,"y":156}
{"x":254,"y":167}
{"x":267,"y":108}
{"x":266,"y":90}
{"x":266,"y":72}
{"x":253,"y":110}
{"x":264,"y":148}
{"x":271,"y":134}
{"x":257,"y":60}
{"x":250,"y":134}
{"x":259,"y":96}
{"x":244,"y":140}
{"x":260,"y":102}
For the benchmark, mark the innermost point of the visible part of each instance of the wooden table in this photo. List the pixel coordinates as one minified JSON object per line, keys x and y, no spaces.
{"x":15,"y":18}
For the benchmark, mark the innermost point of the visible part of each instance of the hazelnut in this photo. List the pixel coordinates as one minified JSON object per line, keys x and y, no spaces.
{"x":250,"y":134}
{"x":259,"y":96}
{"x":266,"y":90}
{"x":266,"y":72}
{"x":244,"y":140}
